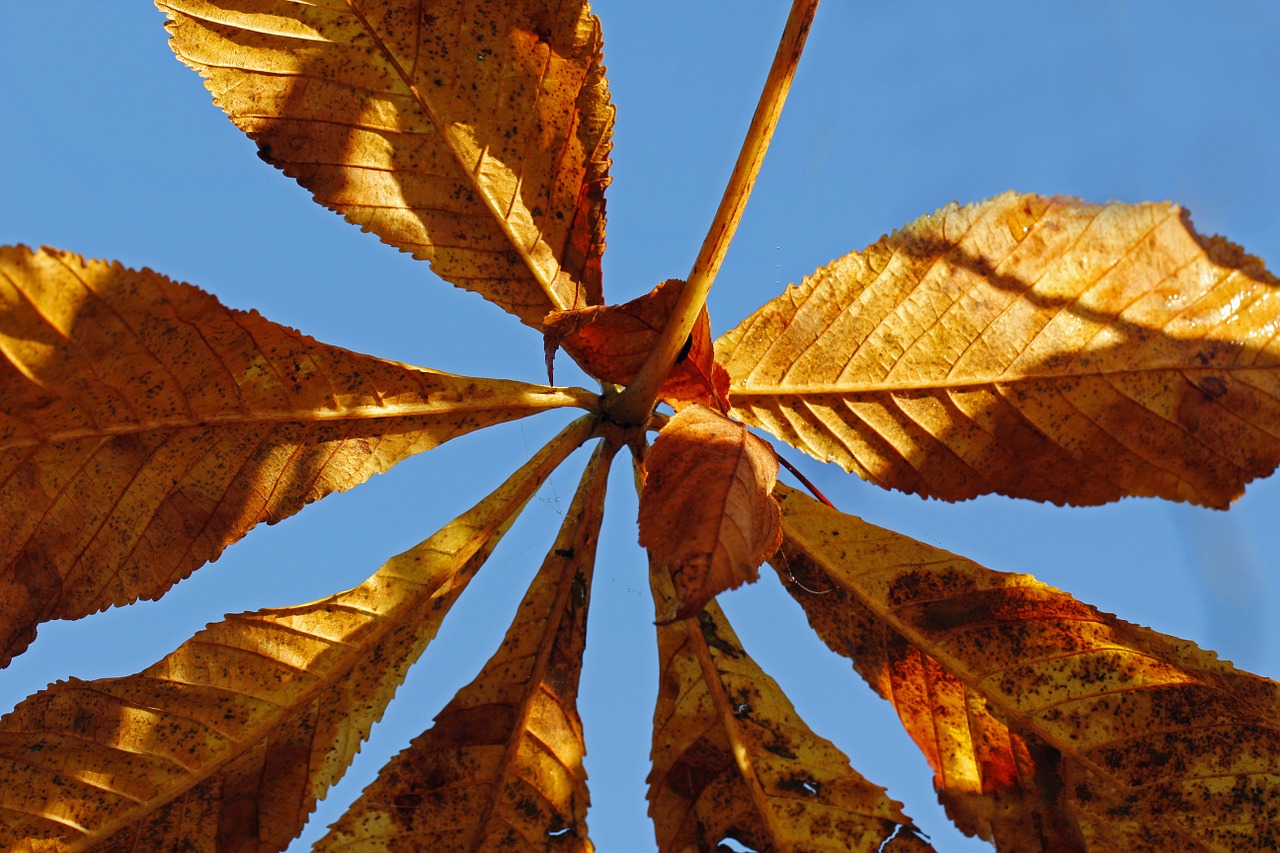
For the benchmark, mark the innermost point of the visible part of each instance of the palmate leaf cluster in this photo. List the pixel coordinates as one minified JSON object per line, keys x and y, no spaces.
{"x":796,"y":569}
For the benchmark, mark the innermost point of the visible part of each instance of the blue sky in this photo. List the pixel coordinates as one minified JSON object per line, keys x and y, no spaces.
{"x":112,"y":149}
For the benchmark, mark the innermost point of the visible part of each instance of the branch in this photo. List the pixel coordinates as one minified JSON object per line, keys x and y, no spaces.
{"x":632,"y":406}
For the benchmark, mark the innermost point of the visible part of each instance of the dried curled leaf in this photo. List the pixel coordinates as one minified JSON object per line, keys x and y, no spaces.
{"x":612,"y":343}
{"x":733,"y":760}
{"x":228,"y":742}
{"x":707,"y":509}
{"x":501,"y":769}
{"x":475,"y":136}
{"x":144,"y":427}
{"x":1033,"y":347}
{"x":1050,"y":725}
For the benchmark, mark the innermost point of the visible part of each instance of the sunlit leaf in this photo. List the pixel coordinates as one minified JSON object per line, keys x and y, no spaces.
{"x":1041,"y":348}
{"x":228,"y":742}
{"x":706,"y":509}
{"x":475,"y":136}
{"x":144,"y":427}
{"x":501,"y":769}
{"x":612,"y":343}
{"x":1049,"y":725}
{"x":733,"y":760}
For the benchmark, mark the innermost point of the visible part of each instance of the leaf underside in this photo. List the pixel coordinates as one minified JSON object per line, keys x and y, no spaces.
{"x":229,"y":741}
{"x":706,"y":509}
{"x":475,"y":136}
{"x":144,"y":427}
{"x":1032,"y":347}
{"x":612,"y":343}
{"x":501,"y":769}
{"x":733,"y":760}
{"x":1050,"y":725}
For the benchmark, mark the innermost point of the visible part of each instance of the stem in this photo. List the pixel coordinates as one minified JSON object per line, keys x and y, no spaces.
{"x":632,"y":406}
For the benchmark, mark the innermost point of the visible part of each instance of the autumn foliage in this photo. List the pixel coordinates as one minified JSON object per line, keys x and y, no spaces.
{"x":1035,"y":347}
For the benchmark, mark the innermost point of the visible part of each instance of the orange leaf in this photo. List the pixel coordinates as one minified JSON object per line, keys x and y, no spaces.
{"x":503,"y":763}
{"x":707,"y":509}
{"x":1039,"y":348}
{"x":144,"y":428}
{"x":475,"y":136}
{"x":1049,"y":725}
{"x":733,"y":759}
{"x":228,"y":742}
{"x":612,"y":343}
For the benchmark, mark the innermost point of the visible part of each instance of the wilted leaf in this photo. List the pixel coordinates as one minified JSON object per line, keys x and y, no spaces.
{"x":1041,"y":348}
{"x":144,"y":427}
{"x":612,"y":343}
{"x":501,"y":769}
{"x":732,"y":760}
{"x":1049,"y":725}
{"x":475,"y":136}
{"x":706,"y":509}
{"x":228,"y":742}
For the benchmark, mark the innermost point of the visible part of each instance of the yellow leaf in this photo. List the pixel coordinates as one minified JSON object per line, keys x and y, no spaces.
{"x":228,"y":742}
{"x":144,"y":427}
{"x":475,"y":136}
{"x":1040,"y":348}
{"x":501,"y":769}
{"x":706,"y":509}
{"x":733,"y":760}
{"x":1049,"y":725}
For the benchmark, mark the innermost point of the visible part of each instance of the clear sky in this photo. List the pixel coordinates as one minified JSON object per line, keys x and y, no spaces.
{"x":112,"y":149}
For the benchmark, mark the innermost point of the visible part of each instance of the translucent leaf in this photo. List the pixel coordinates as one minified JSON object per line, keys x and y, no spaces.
{"x":144,"y":427}
{"x":228,"y":742}
{"x":733,"y":760}
{"x":1040,"y":348}
{"x":613,"y":342}
{"x":501,"y":769}
{"x":475,"y":136}
{"x":706,"y":509}
{"x":1049,"y":725}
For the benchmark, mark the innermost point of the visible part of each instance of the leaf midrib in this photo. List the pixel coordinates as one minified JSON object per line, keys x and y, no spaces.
{"x":552,"y":398}
{"x":883,"y":387}
{"x":469,"y":169}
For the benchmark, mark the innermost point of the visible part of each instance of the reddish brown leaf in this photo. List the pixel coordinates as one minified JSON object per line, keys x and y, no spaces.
{"x":1050,"y":725}
{"x":612,"y":342}
{"x":707,"y":510}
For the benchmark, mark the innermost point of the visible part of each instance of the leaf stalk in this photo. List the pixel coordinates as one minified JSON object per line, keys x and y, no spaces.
{"x":633,"y":405}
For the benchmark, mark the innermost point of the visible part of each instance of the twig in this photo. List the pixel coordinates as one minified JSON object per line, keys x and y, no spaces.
{"x":632,"y":406}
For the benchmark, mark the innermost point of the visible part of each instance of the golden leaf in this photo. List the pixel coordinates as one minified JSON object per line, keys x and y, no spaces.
{"x":501,"y":769}
{"x":1040,"y":348}
{"x":475,"y":136}
{"x":144,"y":427}
{"x":732,"y":759}
{"x":612,"y":343}
{"x":229,"y":741}
{"x":1049,"y":725}
{"x":706,"y":509}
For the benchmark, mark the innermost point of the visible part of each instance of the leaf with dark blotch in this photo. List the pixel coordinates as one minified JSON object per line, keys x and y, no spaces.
{"x":475,"y":136}
{"x":1032,"y":347}
{"x":732,"y":759}
{"x":1050,"y":725}
{"x":228,"y":742}
{"x":707,"y":509}
{"x":144,"y":427}
{"x":612,"y":343}
{"x":501,"y":769}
